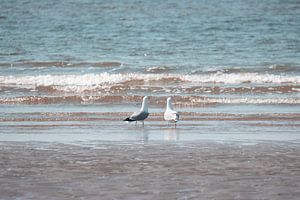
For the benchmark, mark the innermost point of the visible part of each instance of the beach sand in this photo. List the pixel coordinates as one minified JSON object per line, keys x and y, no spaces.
{"x":155,"y":170}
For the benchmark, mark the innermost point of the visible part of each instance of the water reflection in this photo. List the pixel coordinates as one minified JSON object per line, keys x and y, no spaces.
{"x":171,"y":134}
{"x":143,"y":136}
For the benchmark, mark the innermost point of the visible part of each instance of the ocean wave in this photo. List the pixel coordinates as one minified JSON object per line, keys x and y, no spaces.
{"x":267,"y":68}
{"x":138,"y":87}
{"x":110,"y":79}
{"x":61,"y":64}
{"x":158,"y":69}
{"x":283,"y":68}
{"x":184,"y":101}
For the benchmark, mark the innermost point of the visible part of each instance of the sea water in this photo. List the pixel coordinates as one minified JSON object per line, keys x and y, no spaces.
{"x":80,"y":67}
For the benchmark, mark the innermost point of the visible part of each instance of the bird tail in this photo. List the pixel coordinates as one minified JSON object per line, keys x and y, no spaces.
{"x":177,"y":117}
{"x":128,"y":119}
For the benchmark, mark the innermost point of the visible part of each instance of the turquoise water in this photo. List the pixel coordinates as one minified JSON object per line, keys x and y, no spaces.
{"x":185,"y":35}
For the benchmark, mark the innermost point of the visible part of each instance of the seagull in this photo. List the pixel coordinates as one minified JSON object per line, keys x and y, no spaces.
{"x":140,"y":115}
{"x":171,"y":115}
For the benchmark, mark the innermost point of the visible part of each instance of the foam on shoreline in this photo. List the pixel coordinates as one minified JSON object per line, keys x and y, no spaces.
{"x":107,"y":78}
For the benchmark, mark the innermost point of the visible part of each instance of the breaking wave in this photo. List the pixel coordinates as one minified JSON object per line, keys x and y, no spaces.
{"x":188,"y":90}
{"x":107,"y":78}
{"x":159,"y":101}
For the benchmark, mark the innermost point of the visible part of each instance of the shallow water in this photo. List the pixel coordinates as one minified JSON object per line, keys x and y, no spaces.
{"x":87,"y":123}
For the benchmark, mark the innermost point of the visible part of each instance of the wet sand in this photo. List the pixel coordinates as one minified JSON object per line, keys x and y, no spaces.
{"x":155,"y":170}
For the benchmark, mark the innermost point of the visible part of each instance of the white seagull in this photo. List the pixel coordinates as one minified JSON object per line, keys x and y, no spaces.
{"x":171,"y":115}
{"x":140,"y":115}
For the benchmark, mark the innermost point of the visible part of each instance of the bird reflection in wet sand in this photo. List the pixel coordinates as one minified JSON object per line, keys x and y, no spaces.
{"x":171,"y":135}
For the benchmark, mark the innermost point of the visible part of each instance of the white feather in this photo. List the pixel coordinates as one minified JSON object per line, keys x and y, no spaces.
{"x":170,"y":114}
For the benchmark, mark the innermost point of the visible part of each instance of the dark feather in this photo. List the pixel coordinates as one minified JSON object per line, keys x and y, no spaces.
{"x":128,"y":119}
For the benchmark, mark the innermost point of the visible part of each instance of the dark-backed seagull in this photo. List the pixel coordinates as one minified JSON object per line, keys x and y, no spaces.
{"x":140,"y":115}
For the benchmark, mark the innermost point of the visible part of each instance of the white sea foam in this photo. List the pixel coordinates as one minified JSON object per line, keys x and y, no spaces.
{"x":192,"y":101}
{"x":250,"y":100}
{"x":110,"y":79}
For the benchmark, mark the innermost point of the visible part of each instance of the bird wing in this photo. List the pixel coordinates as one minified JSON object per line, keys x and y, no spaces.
{"x":171,"y":115}
{"x":139,"y":116}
